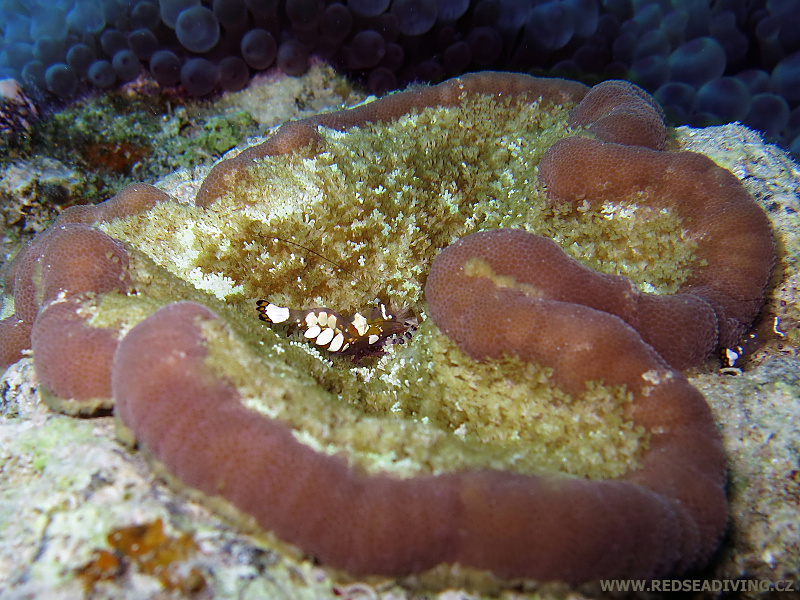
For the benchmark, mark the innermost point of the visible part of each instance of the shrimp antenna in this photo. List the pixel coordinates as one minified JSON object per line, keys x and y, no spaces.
{"x":338,"y":266}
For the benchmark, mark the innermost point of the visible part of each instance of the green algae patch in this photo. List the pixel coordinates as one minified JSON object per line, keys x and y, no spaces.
{"x":41,"y":442}
{"x":42,"y":448}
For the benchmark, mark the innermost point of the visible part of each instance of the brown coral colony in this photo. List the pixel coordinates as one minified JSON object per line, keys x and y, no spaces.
{"x":664,"y":517}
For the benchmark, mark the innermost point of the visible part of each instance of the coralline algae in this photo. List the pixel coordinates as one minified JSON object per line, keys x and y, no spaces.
{"x":296,"y":356}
